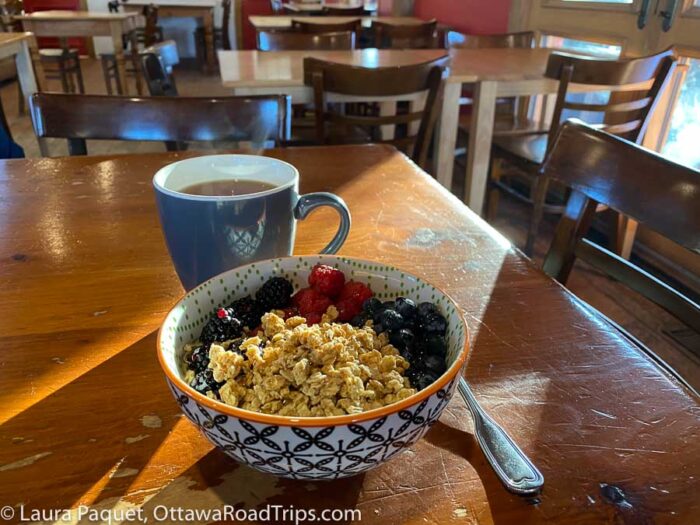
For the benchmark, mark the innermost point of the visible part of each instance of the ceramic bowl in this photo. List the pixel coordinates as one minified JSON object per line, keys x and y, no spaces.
{"x":309,"y":447}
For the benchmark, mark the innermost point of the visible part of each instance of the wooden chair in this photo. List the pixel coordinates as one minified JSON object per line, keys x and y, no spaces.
{"x":511,"y":112}
{"x":222,"y":39}
{"x":157,"y":64}
{"x":322,"y":27}
{"x":336,"y":84}
{"x":293,"y":41}
{"x":344,"y":11}
{"x":627,"y":117}
{"x":139,"y":37}
{"x":173,"y":120}
{"x":63,"y":64}
{"x":409,"y":36}
{"x":663,"y":196}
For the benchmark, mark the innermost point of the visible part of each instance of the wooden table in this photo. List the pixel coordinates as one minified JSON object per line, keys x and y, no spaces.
{"x":87,"y":417}
{"x":265,"y":22}
{"x":203,"y":9}
{"x":87,"y":24}
{"x":317,"y":7}
{"x":22,"y":46}
{"x":493,"y":72}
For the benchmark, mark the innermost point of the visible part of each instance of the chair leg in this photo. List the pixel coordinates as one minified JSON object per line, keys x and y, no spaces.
{"x":538,"y":196}
{"x":64,"y":77}
{"x":108,"y":79}
{"x":625,"y":230}
{"x":20,"y":99}
{"x":494,"y":193}
{"x":79,"y":76}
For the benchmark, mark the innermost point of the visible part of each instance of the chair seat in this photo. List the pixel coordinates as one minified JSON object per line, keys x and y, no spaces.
{"x":523,"y":150}
{"x":56,"y":54}
{"x":505,"y":125}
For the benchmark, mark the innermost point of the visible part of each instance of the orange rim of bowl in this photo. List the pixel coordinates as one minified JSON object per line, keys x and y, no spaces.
{"x":321,"y":421}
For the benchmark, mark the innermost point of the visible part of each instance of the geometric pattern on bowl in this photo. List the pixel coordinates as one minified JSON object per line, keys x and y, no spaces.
{"x":309,"y":447}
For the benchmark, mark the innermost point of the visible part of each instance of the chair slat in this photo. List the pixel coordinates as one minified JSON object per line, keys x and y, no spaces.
{"x":168,"y":119}
{"x":620,"y":106}
{"x":641,"y":281}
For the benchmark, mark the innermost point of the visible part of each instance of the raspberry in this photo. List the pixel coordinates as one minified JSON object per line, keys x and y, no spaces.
{"x":290,"y":311}
{"x":313,"y":318}
{"x":310,"y":300}
{"x":327,"y":280}
{"x":347,"y":309}
{"x":356,"y":292}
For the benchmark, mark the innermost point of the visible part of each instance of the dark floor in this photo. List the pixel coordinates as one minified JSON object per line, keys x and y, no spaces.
{"x":647,"y":322}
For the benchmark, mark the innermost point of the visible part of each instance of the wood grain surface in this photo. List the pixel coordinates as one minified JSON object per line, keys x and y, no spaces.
{"x":86,"y":417}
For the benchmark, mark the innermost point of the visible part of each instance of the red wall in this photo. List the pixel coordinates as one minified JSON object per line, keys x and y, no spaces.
{"x":467,"y":16}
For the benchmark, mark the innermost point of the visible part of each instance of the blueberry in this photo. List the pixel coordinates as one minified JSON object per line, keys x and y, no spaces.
{"x":427,"y":308}
{"x":389,"y":305}
{"x":391,"y":320}
{"x":435,"y":345}
{"x":434,"y":364}
{"x":359,"y":320}
{"x":402,"y":338}
{"x":371,"y":305}
{"x":407,"y":354}
{"x":378,"y":328}
{"x":204,"y":382}
{"x":424,"y":380}
{"x":433,"y":324}
{"x":406,"y":308}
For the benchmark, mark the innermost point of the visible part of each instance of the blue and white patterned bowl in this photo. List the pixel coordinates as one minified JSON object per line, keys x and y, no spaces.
{"x":309,"y":447}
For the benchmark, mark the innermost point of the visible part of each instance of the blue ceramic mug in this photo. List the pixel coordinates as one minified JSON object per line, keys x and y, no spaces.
{"x":208,"y":235}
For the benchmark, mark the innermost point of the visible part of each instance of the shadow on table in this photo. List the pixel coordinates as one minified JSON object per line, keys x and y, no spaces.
{"x":87,"y":440}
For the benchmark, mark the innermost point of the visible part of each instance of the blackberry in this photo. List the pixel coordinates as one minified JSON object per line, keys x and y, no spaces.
{"x":274,"y":294}
{"x":204,"y":382}
{"x":247,"y":311}
{"x":222,"y":326}
{"x":198,"y":360}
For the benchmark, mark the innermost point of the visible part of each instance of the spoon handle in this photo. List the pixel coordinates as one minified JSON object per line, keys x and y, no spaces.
{"x":511,"y":465}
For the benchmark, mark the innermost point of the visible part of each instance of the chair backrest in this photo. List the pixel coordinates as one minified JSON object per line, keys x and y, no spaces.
{"x":335,"y":84}
{"x":652,"y":190}
{"x":293,"y":40}
{"x":168,"y":119}
{"x":406,"y":36}
{"x":522,"y":39}
{"x":150,"y":29}
{"x":157,"y":64}
{"x":344,"y":11}
{"x":625,"y":114}
{"x":225,"y":22}
{"x":326,"y":27}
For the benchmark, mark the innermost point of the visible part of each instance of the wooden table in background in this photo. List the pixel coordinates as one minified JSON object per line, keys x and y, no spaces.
{"x":87,"y":24}
{"x":88,"y":419}
{"x":203,"y":9}
{"x":493,"y":73}
{"x":30,"y":73}
{"x":264,"y":22}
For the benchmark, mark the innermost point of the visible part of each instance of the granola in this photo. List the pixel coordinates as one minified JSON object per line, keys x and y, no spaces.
{"x":290,"y":368}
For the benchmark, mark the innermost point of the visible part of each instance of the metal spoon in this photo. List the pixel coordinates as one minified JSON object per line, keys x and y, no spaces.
{"x":512,"y":466}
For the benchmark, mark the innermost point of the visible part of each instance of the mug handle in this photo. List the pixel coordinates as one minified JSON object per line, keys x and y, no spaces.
{"x":309,"y":202}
